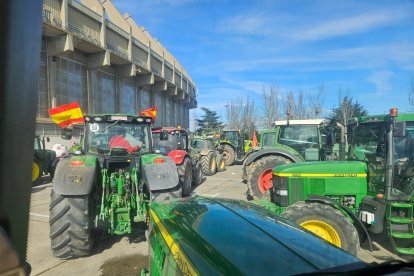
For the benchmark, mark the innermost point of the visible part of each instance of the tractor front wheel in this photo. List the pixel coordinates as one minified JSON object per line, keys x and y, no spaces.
{"x":229,"y":154}
{"x":197,"y":175}
{"x":36,"y":172}
{"x":260,"y":174}
{"x":70,"y":226}
{"x":326,"y":222}
{"x":185,"y":175}
{"x":208,"y":163}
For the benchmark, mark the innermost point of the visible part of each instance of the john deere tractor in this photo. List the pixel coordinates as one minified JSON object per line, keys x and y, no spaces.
{"x":292,"y":141}
{"x":233,"y":146}
{"x":211,"y":158}
{"x":107,"y":184}
{"x":44,"y":161}
{"x":372,"y":192}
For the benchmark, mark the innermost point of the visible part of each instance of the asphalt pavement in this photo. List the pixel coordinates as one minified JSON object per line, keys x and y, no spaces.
{"x":127,"y":255}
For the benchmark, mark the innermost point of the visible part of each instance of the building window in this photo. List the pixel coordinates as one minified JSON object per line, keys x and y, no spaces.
{"x":127,"y":99}
{"x":104,"y":100}
{"x":144,"y":96}
{"x":168,"y":120}
{"x":159,"y":99}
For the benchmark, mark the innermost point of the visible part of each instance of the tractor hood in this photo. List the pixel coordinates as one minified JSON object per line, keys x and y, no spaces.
{"x":219,"y":236}
{"x":323,"y":169}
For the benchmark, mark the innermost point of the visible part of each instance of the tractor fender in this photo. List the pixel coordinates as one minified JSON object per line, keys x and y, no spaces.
{"x":266,"y":152}
{"x":355,"y":220}
{"x":161,"y":176}
{"x":178,"y":156}
{"x":204,"y":152}
{"x":74,"y":180}
{"x":226,"y":143}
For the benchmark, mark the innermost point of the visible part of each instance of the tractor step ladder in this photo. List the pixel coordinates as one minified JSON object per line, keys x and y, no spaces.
{"x":400,"y":226}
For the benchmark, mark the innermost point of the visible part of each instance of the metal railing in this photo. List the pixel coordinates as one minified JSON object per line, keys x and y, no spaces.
{"x":139,"y":44}
{"x":119,"y":52}
{"x":83,"y":34}
{"x":116,"y":29}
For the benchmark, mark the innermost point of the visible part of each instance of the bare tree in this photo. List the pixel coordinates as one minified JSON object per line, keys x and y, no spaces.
{"x":411,"y":93}
{"x":271,"y":106}
{"x":248,"y":117}
{"x":234,"y":114}
{"x":295,"y":106}
{"x":316,"y":103}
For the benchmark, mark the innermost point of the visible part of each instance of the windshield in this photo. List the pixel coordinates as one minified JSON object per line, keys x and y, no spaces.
{"x":197,"y":143}
{"x":268,"y":139}
{"x":104,"y":137}
{"x":299,"y":138}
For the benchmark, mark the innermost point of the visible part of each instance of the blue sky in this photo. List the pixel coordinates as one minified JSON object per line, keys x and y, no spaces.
{"x":235,"y":48}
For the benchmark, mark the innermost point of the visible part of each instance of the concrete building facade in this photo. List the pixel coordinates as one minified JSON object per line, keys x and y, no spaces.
{"x":102,"y":59}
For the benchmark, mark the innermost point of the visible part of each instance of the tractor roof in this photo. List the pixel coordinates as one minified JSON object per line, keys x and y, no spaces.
{"x":386,"y":117}
{"x":117,"y":117}
{"x":168,"y":129}
{"x":222,"y":236}
{"x":300,"y":122}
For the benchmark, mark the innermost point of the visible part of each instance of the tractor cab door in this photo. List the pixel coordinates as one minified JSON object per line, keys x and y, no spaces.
{"x":369,"y":147}
{"x":403,"y":179}
{"x":302,"y":138}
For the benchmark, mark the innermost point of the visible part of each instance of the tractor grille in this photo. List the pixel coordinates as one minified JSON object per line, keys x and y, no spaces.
{"x":279,"y":194}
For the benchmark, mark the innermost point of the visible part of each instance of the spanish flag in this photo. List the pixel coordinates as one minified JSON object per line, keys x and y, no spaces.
{"x":67,"y":115}
{"x":150,"y":112}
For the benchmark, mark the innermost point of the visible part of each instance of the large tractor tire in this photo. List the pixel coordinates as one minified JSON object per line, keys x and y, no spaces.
{"x":259,"y":175}
{"x":197,"y":175}
{"x":185,"y":176}
{"x":229,"y":154}
{"x":208,"y":163}
{"x":326,"y":222}
{"x":36,"y":172}
{"x":221,"y":163}
{"x":70,"y":226}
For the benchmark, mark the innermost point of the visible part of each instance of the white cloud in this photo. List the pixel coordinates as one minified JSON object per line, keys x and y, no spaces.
{"x":351,"y":25}
{"x":381,"y":80}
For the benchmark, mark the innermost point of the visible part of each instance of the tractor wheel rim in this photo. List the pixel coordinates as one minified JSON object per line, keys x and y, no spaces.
{"x":212,"y":165}
{"x":323,"y":230}
{"x":35,"y":171}
{"x":265,"y":181}
{"x":221,"y":164}
{"x":226,"y":155}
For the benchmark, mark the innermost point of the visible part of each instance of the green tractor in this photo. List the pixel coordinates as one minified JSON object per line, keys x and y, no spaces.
{"x":210,"y":158}
{"x":44,"y":161}
{"x":108,"y":184}
{"x":372,"y":192}
{"x":292,"y":141}
{"x":233,"y":146}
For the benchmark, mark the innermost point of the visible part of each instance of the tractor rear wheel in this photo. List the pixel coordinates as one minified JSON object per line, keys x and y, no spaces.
{"x":326,"y":222}
{"x":197,"y":175}
{"x":185,"y":175}
{"x":36,"y":172}
{"x":208,"y":163}
{"x":260,"y":174}
{"x":70,"y":226}
{"x":221,"y":163}
{"x":229,"y":154}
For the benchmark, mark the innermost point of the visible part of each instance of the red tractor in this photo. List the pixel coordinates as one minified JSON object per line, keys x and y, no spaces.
{"x":173,"y":142}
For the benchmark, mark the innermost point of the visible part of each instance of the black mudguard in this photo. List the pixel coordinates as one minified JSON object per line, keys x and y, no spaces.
{"x":161,"y":176}
{"x":73,"y":180}
{"x":362,"y":230}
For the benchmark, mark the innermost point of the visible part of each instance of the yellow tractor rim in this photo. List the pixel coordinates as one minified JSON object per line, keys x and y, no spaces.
{"x":222,"y":164}
{"x":323,"y":230}
{"x":213,"y":165}
{"x":35,"y":171}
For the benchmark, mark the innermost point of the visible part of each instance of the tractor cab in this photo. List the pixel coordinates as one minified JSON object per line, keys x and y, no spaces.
{"x":168,"y":139}
{"x":117,"y":135}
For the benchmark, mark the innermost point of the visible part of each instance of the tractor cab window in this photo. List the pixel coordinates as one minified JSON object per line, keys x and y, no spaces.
{"x":232,"y":136}
{"x":133,"y":137}
{"x":403,"y":182}
{"x":197,"y":144}
{"x":268,"y":139}
{"x":166,"y":146}
{"x":303,"y":139}
{"x":369,"y":141}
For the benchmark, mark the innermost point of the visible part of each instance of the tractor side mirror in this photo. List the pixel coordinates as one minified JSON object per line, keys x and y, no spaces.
{"x":48,"y":139}
{"x":163,"y":135}
{"x":66,"y":134}
{"x":399,"y":129}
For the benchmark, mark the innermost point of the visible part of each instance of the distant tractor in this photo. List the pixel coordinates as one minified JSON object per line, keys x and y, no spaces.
{"x":233,"y":146}
{"x":211,"y":159}
{"x":44,"y":161}
{"x":292,"y":141}
{"x":173,"y":142}
{"x":372,"y":192}
{"x":108,"y":184}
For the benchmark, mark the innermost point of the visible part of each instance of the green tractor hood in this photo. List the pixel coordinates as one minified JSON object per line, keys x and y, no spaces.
{"x":208,"y":236}
{"x":323,"y":169}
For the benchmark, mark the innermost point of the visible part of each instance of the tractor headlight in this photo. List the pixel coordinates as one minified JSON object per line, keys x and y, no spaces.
{"x":87,"y":119}
{"x":97,"y":119}
{"x":281,"y":192}
{"x":140,"y":120}
{"x":148,"y":120}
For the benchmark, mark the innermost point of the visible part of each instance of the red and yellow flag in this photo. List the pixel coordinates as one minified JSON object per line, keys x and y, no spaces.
{"x":67,"y":115}
{"x":150,"y":112}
